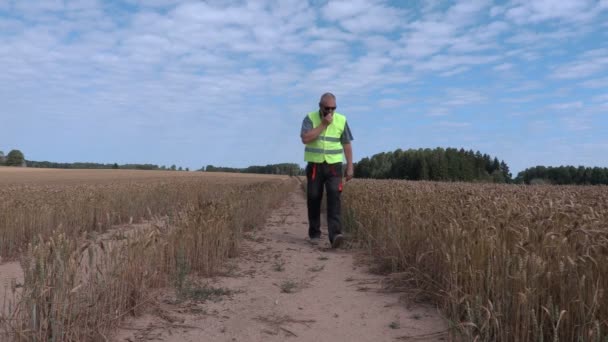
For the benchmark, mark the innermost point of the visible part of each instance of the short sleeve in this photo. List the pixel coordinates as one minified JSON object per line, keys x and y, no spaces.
{"x":347,"y":136}
{"x":306,"y":125}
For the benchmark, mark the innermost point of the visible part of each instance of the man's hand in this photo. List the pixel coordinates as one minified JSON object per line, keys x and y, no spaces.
{"x":312,"y":134}
{"x":349,"y":172}
{"x":327,"y":119}
{"x":348,"y":152}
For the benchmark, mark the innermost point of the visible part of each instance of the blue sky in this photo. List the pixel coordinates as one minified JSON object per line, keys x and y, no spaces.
{"x":228,"y":83}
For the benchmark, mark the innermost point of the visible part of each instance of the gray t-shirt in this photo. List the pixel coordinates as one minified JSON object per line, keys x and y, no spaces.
{"x":345,"y":138}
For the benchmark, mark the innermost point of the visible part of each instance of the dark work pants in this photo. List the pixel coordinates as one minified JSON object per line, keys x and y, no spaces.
{"x":330,"y":176}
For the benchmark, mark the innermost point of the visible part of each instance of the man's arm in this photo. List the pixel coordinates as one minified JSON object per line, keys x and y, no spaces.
{"x":346,"y":139}
{"x":348,"y":153}
{"x":309,"y":134}
{"x":313,"y":134}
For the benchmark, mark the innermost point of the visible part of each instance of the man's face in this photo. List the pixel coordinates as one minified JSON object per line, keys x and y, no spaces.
{"x":327,"y":106}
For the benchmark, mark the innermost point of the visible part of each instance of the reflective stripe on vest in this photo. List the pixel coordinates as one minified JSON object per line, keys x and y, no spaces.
{"x":329,"y":138}
{"x":320,"y":150}
{"x":327,"y":147}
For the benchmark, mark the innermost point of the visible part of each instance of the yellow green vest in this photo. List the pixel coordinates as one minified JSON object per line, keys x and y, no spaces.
{"x":327,"y":146}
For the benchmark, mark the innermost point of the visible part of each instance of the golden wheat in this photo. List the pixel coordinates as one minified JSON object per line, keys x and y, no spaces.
{"x":81,"y":280}
{"x":505,"y":262}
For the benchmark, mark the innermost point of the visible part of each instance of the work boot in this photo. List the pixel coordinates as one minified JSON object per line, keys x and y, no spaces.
{"x":338,"y":240}
{"x":315,"y":241}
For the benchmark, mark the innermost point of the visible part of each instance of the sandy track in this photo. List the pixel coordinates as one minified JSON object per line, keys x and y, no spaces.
{"x":286,"y":289}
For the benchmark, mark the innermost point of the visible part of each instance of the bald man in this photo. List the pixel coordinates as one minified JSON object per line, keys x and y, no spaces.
{"x":327,"y":137}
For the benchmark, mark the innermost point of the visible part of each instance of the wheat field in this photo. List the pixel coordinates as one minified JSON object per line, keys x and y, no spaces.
{"x":94,"y":245}
{"x":504,"y":262}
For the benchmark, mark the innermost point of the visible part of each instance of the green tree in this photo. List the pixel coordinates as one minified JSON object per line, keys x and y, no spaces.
{"x":179,"y":169}
{"x":115,"y":166}
{"x":498,"y":176}
{"x":504,"y":168}
{"x":597,"y":176}
{"x":15,"y":158}
{"x":495,"y":164}
{"x":422,"y":169}
{"x":2,"y":158}
{"x":187,"y":169}
{"x":173,"y":167}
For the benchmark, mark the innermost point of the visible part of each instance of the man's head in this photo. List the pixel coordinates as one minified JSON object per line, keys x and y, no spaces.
{"x":327,"y":104}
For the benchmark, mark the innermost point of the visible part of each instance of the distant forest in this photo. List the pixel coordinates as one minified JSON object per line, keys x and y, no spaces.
{"x":290,"y":169}
{"x":460,"y":165}
{"x":564,"y":175}
{"x":439,"y":164}
{"x":468,"y":166}
{"x":434,"y":164}
{"x":278,"y":169}
{"x":82,"y":165}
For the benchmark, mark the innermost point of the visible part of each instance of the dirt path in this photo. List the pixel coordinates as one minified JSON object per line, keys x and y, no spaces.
{"x":285,"y":289}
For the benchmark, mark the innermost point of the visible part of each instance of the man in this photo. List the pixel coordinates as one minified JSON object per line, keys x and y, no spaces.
{"x":327,"y":138}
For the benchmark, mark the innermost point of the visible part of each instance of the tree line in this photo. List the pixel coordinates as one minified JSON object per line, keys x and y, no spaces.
{"x":291,"y":169}
{"x":563,"y":175}
{"x":85,"y":165}
{"x":437,"y":164}
{"x":17,"y":158}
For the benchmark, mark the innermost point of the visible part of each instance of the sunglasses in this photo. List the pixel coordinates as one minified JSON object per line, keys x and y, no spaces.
{"x":327,"y":109}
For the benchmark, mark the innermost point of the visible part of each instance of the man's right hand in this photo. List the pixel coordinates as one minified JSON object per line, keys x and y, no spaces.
{"x":327,"y":119}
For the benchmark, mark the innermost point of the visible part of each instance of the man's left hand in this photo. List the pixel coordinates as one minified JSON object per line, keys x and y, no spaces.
{"x":349,"y":172}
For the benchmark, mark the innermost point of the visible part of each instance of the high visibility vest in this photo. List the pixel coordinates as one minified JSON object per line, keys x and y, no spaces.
{"x":327,"y":147}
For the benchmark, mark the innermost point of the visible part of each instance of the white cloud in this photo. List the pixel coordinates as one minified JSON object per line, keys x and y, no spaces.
{"x":465,"y":12}
{"x":503,"y":67}
{"x":526,"y":54}
{"x":567,"y":105}
{"x":343,"y":9}
{"x":438,"y":111}
{"x":538,"y":126}
{"x":460,"y":97}
{"x":430,"y":6}
{"x":433,"y":33}
{"x":526,"y":86}
{"x":523,"y":12}
{"x":154,"y":4}
{"x":444,"y":62}
{"x":361,"y":16}
{"x":393,"y":103}
{"x":378,"y":44}
{"x":456,"y":71}
{"x":425,"y":38}
{"x":577,"y":123}
{"x":38,"y":7}
{"x":497,"y":10}
{"x":589,"y":63}
{"x":453,"y":124}
{"x":596,"y":83}
{"x":534,"y":38}
{"x":601,"y":145}
{"x":600,"y":98}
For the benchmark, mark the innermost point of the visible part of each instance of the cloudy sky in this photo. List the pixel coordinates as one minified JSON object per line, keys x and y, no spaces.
{"x":228,"y":83}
